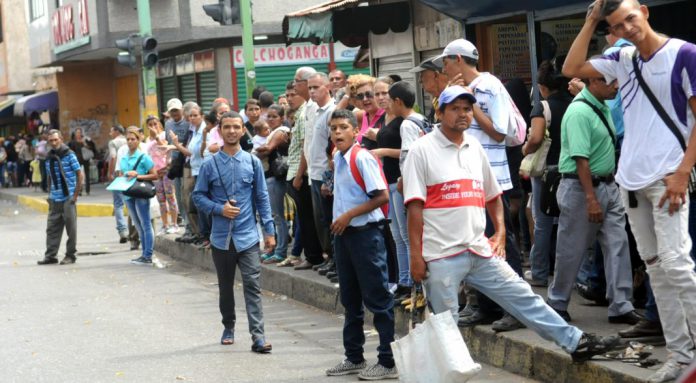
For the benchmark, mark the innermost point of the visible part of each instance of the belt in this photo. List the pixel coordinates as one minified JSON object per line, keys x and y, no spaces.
{"x":596,"y":180}
{"x":365,"y":227}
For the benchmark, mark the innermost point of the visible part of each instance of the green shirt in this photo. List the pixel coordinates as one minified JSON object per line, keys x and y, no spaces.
{"x":583,"y":134}
{"x":296,"y":143}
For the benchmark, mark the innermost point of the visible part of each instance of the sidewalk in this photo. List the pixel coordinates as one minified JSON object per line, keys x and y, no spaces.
{"x":521,"y":352}
{"x":97,"y":204}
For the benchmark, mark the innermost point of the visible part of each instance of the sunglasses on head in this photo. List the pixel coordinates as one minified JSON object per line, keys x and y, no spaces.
{"x":362,"y":96}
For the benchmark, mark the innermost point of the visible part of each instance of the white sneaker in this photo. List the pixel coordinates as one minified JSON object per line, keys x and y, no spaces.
{"x":174,"y":229}
{"x":671,"y":370}
{"x":162,"y":231}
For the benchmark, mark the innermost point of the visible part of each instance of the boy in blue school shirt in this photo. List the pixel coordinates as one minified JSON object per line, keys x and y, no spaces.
{"x":359,"y":252}
{"x":231,"y":188}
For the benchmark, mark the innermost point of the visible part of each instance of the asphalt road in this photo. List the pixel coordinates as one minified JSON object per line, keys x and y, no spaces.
{"x":105,"y":320}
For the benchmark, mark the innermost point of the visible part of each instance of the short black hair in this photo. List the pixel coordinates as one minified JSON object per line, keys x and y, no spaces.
{"x":265,"y":99}
{"x":257,"y":91}
{"x":119,"y":128}
{"x":345,"y":114}
{"x":278,"y":109}
{"x":211,"y":117}
{"x":404,"y":91}
{"x":231,"y":114}
{"x":290,"y":85}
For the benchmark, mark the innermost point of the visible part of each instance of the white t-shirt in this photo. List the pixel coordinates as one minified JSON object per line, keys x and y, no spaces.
{"x":259,"y":141}
{"x":317,"y":159}
{"x":650,"y":151}
{"x":492,"y":98}
{"x":410,"y":132}
{"x":454,"y":183}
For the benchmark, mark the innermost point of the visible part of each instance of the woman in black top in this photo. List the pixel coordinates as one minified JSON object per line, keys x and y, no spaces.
{"x":76,"y":144}
{"x":552,"y":86}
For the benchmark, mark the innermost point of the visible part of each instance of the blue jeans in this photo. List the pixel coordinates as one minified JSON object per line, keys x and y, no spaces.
{"x":139,"y":211}
{"x":297,"y":238}
{"x":495,"y":278}
{"x":2,"y":175}
{"x":398,"y":227}
{"x":203,"y":224}
{"x":121,"y":221}
{"x":540,"y":255}
{"x":361,"y":264}
{"x":276,"y":193}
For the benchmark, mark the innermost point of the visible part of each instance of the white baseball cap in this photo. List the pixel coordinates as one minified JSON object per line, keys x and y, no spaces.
{"x":458,"y":47}
{"x":174,"y":103}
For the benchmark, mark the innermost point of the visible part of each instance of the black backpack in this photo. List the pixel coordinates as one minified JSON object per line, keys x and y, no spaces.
{"x":423,"y":124}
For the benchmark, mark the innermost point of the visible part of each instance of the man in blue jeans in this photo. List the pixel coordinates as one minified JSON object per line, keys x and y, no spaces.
{"x":449,"y":185}
{"x":118,"y":140}
{"x":231,"y":188}
{"x":359,"y":251}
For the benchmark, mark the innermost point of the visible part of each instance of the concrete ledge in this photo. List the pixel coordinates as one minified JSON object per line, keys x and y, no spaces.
{"x":520,"y":352}
{"x":41,"y":205}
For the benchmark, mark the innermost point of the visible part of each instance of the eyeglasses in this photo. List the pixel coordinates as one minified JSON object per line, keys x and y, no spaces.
{"x":362,"y":96}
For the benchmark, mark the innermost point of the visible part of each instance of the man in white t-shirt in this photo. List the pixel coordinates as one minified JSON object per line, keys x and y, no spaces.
{"x":118,"y":141}
{"x":449,"y":185}
{"x":653,"y":169}
{"x":489,"y":126}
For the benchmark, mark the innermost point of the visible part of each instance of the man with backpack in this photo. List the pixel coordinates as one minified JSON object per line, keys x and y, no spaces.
{"x":490,"y":126}
{"x":657,"y":79}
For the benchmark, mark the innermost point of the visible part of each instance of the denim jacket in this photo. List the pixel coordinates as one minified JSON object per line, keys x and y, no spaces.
{"x":243,"y":182}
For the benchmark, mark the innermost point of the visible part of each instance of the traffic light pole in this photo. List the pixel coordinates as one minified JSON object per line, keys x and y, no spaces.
{"x":148,"y":105}
{"x":247,"y":46}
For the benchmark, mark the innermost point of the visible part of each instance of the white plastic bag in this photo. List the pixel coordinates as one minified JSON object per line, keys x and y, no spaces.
{"x":154,"y":208}
{"x":434,"y":352}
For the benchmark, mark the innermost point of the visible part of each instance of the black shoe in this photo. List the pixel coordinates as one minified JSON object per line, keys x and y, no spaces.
{"x":631,"y":317}
{"x":334,"y":279}
{"x":67,"y":261}
{"x":331,"y":266}
{"x":591,"y":295}
{"x":507,"y":323}
{"x":261,"y":347}
{"x":402,"y":292}
{"x":477,"y":318}
{"x":563,"y":313}
{"x":643,"y":328}
{"x":319,"y":266}
{"x":135,"y":244}
{"x":47,"y":261}
{"x":331,"y":274}
{"x":591,"y":345}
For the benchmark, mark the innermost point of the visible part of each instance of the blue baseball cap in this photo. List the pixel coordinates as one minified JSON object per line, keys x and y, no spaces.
{"x":452,"y":93}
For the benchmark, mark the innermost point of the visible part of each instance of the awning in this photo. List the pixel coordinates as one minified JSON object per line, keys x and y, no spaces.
{"x":347,"y":21}
{"x":7,"y":108}
{"x":466,"y":9}
{"x":37,"y":102}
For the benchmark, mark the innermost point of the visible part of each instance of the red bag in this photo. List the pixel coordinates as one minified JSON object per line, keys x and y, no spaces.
{"x":359,"y":179}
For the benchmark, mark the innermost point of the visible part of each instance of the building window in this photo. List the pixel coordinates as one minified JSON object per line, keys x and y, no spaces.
{"x":37,"y":9}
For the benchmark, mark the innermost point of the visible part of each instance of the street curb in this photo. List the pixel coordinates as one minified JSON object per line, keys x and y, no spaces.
{"x":41,"y":205}
{"x":520,"y":357}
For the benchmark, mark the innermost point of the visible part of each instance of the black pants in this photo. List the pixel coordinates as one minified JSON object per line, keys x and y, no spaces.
{"x":86,"y":165}
{"x":308,"y":231}
{"x":512,"y":257}
{"x":44,"y":176}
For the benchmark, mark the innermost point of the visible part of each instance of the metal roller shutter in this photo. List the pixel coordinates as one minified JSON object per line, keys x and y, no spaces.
{"x":398,"y":64}
{"x":207,"y":85}
{"x":187,"y":88}
{"x":167,"y":88}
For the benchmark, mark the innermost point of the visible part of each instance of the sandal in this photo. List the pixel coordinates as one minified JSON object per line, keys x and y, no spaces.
{"x":227,"y":337}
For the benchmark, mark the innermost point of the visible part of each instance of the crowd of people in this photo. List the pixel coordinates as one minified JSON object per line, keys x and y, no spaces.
{"x":343,"y":176}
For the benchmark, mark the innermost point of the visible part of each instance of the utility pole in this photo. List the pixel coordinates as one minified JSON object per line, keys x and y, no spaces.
{"x":248,"y":46}
{"x":148,"y":105}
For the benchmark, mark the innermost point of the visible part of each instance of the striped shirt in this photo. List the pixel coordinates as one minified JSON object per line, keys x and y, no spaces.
{"x":491,"y":97}
{"x":71,"y":168}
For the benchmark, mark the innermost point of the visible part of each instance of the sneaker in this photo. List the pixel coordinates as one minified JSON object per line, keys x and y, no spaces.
{"x":273,"y":259}
{"x":68,"y":260}
{"x":378,"y":372}
{"x":671,"y":370}
{"x":591,"y":345}
{"x":265,"y":257}
{"x":507,"y":323}
{"x":346,"y":368}
{"x":141,"y":261}
{"x":174,"y":229}
{"x":469,"y":309}
{"x":162,"y":231}
{"x":534,"y":282}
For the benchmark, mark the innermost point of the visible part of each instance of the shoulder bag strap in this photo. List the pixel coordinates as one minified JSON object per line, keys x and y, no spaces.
{"x":135,"y":167}
{"x":602,"y":117}
{"x":222,"y":182}
{"x":656,"y":104}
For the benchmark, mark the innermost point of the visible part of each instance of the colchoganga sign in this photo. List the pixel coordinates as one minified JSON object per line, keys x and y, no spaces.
{"x":279,"y":54}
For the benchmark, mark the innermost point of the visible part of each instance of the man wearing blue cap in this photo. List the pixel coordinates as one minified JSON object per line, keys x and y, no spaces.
{"x":449,"y":186}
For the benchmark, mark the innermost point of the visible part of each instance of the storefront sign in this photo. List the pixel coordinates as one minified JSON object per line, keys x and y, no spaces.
{"x":270,"y":55}
{"x":509,"y":49}
{"x":184,"y":64}
{"x":204,"y":61}
{"x":561,"y":34}
{"x":63,"y":27}
{"x":165,"y":67}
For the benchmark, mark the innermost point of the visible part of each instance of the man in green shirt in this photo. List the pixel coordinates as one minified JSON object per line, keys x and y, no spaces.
{"x":590,"y":203}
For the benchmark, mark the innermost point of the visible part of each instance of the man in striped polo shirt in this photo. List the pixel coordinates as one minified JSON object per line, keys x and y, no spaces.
{"x":491,"y":116}
{"x":449,"y":185}
{"x":65,"y":179}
